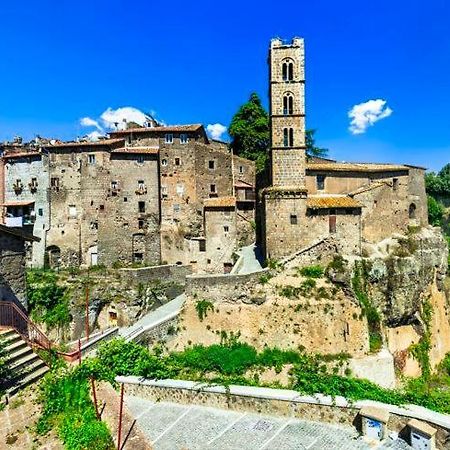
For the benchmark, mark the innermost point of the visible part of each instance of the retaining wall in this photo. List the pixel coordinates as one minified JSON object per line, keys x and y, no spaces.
{"x":166,"y":272}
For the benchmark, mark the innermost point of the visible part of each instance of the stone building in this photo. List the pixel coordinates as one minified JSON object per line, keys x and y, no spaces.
{"x":12,"y":264}
{"x":104,"y":204}
{"x":25,"y":195}
{"x":311,"y":199}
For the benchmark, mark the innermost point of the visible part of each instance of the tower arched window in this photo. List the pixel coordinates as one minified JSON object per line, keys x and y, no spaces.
{"x":287,"y":70}
{"x":288,"y":104}
{"x":286,"y":137}
{"x":412,"y":211}
{"x":291,"y":137}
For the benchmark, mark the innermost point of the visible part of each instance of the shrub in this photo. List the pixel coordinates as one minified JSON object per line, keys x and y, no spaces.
{"x":312,"y":271}
{"x":202,"y":307}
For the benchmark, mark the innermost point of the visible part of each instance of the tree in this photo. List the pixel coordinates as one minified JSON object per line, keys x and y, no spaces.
{"x":435,"y":212}
{"x":311,"y":148}
{"x":249,"y":129}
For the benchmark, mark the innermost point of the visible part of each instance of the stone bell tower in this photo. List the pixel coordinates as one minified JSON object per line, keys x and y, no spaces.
{"x":285,"y":200}
{"x":287,"y":112}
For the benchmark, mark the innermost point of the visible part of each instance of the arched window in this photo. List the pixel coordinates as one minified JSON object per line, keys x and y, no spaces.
{"x":291,"y":137}
{"x":285,"y":137}
{"x":412,"y":211}
{"x":287,"y":70}
{"x":288,"y":104}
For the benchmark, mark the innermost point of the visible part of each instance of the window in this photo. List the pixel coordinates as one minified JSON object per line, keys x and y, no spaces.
{"x":291,"y":137}
{"x":102,"y":207}
{"x":177,"y":161}
{"x":72,"y":211}
{"x":211,"y":165}
{"x":141,"y":185}
{"x":164,"y":162}
{"x":91,"y":159}
{"x":114,"y":185}
{"x":141,"y":207}
{"x":184,"y":138}
{"x":54,"y":183}
{"x":212,"y":188}
{"x":288,"y":70}
{"x":176,"y":207}
{"x":294,"y":220}
{"x":412,"y":211}
{"x":94,"y":226}
{"x":202,"y":245}
{"x":241,"y":169}
{"x":40,"y":212}
{"x":140,"y":224}
{"x":288,"y":104}
{"x":320,"y":182}
{"x":164,"y":192}
{"x":140,"y":159}
{"x":226,"y":228}
{"x":180,"y":189}
{"x":125,"y":199}
{"x":169,"y":138}
{"x":395,"y":184}
{"x":138,"y":257}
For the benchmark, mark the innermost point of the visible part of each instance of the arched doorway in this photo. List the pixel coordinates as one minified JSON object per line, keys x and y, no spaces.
{"x":52,"y":256}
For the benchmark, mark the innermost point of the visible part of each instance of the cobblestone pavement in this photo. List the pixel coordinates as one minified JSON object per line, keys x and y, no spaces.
{"x":172,"y":426}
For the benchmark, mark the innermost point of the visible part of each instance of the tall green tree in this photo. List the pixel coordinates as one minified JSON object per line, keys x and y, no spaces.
{"x":249,"y":129}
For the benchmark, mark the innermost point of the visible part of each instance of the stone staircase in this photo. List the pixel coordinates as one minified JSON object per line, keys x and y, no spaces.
{"x":27,"y":367}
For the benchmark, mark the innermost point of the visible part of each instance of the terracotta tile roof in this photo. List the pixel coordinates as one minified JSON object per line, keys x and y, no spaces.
{"x":331,"y":201}
{"x":355,"y":167}
{"x":101,"y":142}
{"x":369,"y":187}
{"x":243,"y":185}
{"x":285,"y":189}
{"x":168,"y":129}
{"x":21,"y":155}
{"x":137,"y":150}
{"x":220,"y":202}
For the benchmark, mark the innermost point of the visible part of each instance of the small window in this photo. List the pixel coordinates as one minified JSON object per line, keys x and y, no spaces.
{"x":141,"y":185}
{"x":40,"y":212}
{"x":212,"y":188}
{"x":125,"y":199}
{"x":140,"y":224}
{"x":91,"y":159}
{"x":54,"y":183}
{"x":412,"y":211}
{"x":141,"y":207}
{"x":102,"y":207}
{"x":164,"y":162}
{"x":211,"y":165}
{"x":395,"y":184}
{"x":140,"y":159}
{"x":164,"y":191}
{"x":184,"y":138}
{"x":180,"y":189}
{"x":72,"y":211}
{"x":241,"y":169}
{"x":177,"y":161}
{"x":138,"y":257}
{"x":114,"y":185}
{"x":320,"y":182}
{"x":294,"y":219}
{"x":202,"y":245}
{"x":94,"y":226}
{"x":169,"y":138}
{"x":226,"y":228}
{"x":285,"y":137}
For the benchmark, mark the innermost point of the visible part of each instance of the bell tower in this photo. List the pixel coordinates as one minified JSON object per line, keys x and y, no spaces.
{"x":284,"y":202}
{"x":287,"y":112}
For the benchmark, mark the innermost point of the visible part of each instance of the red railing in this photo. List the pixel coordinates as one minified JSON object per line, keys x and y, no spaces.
{"x":12,"y":316}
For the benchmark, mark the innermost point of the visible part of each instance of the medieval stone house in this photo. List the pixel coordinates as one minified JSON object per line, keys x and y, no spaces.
{"x":313,"y":198}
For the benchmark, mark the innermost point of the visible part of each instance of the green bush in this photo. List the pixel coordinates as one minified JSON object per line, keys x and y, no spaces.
{"x":202,"y":307}
{"x":312,"y":271}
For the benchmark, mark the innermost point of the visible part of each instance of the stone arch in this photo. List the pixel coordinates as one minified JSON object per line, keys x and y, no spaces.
{"x":52,"y":256}
{"x":287,"y":69}
{"x":412,"y":210}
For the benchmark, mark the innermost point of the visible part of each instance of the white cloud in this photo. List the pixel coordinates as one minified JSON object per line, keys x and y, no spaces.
{"x":95,"y":135}
{"x":216,"y":130}
{"x":111,"y":117}
{"x":88,"y":122}
{"x":366,"y":114}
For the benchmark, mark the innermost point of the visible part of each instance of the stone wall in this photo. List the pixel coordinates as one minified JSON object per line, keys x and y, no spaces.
{"x":167,"y":272}
{"x":12,"y":268}
{"x":280,"y":402}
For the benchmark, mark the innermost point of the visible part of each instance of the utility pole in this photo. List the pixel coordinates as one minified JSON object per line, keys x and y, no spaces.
{"x":87,"y":311}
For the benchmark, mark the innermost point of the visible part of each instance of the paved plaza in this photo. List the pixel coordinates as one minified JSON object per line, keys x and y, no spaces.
{"x":171,"y":426}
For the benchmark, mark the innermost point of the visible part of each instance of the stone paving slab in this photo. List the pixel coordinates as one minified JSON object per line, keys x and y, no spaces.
{"x":191,"y":427}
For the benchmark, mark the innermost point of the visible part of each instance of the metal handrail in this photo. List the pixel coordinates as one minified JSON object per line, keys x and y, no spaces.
{"x":12,"y":316}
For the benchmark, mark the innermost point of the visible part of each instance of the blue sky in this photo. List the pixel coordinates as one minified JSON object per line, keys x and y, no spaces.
{"x":198,"y":61}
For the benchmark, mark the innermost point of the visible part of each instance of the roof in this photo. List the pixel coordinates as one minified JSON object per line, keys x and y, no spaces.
{"x":332,"y":201}
{"x":167,"y":129}
{"x":101,"y":142}
{"x":21,"y":155}
{"x":137,"y":150}
{"x":368,"y":187}
{"x":18,"y":233}
{"x":18,"y":203}
{"x":243,"y":185}
{"x":355,"y":167}
{"x":220,"y":202}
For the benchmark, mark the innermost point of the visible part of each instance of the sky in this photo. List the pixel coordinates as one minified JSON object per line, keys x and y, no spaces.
{"x":377,"y":73}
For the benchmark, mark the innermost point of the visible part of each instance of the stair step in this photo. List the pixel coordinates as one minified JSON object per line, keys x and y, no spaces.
{"x":7,"y":332}
{"x":19,"y":353}
{"x":16,"y":346}
{"x":11,"y":339}
{"x":26,"y":359}
{"x":30,"y":378}
{"x":27,"y":370}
